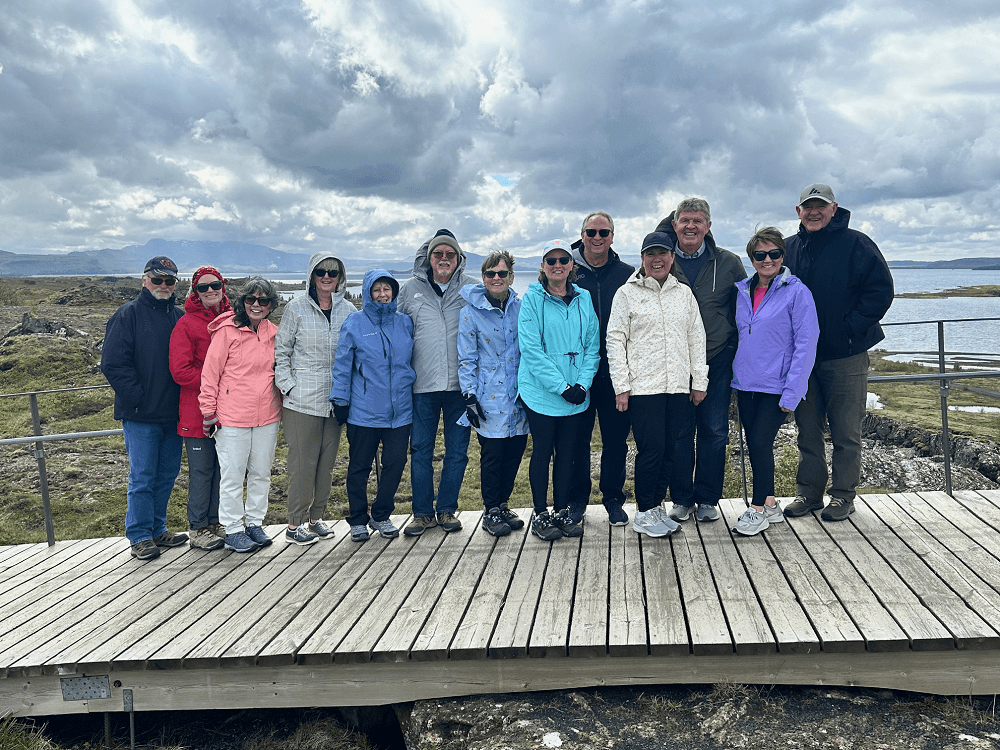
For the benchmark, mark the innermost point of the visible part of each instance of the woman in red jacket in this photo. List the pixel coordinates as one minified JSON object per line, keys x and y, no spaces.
{"x":188,"y":346}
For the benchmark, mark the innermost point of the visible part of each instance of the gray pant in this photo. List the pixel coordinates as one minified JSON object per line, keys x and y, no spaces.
{"x":837,"y":393}
{"x":203,"y":482}
{"x":312,"y":451}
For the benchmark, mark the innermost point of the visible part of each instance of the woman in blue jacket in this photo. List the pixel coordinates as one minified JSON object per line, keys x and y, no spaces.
{"x":560,"y":350}
{"x":372,"y":382}
{"x":488,"y":356}
{"x":778,"y":329}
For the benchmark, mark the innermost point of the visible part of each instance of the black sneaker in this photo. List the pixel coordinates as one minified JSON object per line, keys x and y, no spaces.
{"x":258,"y":536}
{"x":570,"y":521}
{"x":800,"y":506}
{"x":511,"y":518}
{"x":544,"y":526}
{"x":494,"y":523}
{"x":616,"y":515}
{"x":838,"y":509}
{"x":170,"y":539}
{"x":145,"y":550}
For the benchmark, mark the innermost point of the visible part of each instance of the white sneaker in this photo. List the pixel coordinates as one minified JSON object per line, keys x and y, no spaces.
{"x":751,"y":523}
{"x":774,"y":514}
{"x":654,"y":522}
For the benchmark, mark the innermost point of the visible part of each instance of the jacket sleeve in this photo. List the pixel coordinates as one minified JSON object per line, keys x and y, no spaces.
{"x":284,"y":344}
{"x":343,"y":363}
{"x":118,"y":359}
{"x":468,"y":351}
{"x":876,"y":293}
{"x":182,"y":361}
{"x":591,"y":345}
{"x":618,"y":337}
{"x":805,"y":335}
{"x":404,"y":303}
{"x":696,"y":344}
{"x":533,"y":358}
{"x":211,"y":373}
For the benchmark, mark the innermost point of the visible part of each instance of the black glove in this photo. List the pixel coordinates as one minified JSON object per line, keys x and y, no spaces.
{"x":575,"y":394}
{"x":473,"y":411}
{"x":341,"y":412}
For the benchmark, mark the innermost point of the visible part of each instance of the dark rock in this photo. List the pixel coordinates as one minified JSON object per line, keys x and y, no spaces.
{"x":30,"y":325}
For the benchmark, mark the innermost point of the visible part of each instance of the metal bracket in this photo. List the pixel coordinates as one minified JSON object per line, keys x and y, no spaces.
{"x":127,"y":700}
{"x":85,"y":688}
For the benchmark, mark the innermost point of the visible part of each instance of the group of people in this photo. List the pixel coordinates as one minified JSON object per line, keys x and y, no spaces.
{"x":657,"y":351}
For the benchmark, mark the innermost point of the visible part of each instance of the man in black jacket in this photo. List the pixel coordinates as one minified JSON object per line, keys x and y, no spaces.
{"x":602,"y":273}
{"x":135,"y":359}
{"x":852,"y":287}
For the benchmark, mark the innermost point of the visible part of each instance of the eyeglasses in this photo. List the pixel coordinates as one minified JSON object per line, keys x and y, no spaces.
{"x":213,"y":285}
{"x":262,"y":301}
{"x":759,"y":255}
{"x":439,"y":255}
{"x":595,"y":232}
{"x":491,"y":274}
{"x":562,"y":260}
{"x":157,"y":280}
{"x":319,"y":273}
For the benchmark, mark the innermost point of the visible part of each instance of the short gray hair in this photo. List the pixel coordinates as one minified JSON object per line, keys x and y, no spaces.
{"x":694,"y":204}
{"x":256,"y":286}
{"x":592,"y":214}
{"x":496,"y":255}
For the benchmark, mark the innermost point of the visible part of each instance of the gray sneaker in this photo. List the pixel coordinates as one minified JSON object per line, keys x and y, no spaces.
{"x":838,"y":509}
{"x":751,"y":523}
{"x":680,"y":512}
{"x":774,"y":514}
{"x":654,"y":522}
{"x":800,"y":506}
{"x":205,"y":539}
{"x":707,"y":513}
{"x":301,"y":535}
{"x":359,"y":533}
{"x":384,"y":528}
{"x":321,"y":529}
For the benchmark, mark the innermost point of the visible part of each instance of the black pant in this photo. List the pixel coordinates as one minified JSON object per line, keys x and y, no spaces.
{"x":499,"y":460}
{"x":558,"y":436}
{"x":654,"y":427}
{"x":762,"y":417}
{"x":614,"y":434}
{"x":364,"y":442}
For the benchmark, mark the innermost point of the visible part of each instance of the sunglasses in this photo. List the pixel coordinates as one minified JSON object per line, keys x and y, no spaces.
{"x":319,"y":273}
{"x":449,"y":256}
{"x":492,"y":274}
{"x":595,"y":232}
{"x":759,"y":255}
{"x":562,"y":260}
{"x":157,"y":280}
{"x":262,"y":301}
{"x":213,"y":285}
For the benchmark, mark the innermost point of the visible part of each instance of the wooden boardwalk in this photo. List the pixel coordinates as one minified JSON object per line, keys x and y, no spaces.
{"x":906,"y":594}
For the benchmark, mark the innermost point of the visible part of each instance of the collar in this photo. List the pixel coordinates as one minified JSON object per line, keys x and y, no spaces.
{"x":684,"y":256}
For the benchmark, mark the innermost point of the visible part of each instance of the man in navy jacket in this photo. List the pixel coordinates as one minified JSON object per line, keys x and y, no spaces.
{"x":135,"y":359}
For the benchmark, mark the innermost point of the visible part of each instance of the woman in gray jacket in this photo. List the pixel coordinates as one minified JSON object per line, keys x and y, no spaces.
{"x":303,"y":361}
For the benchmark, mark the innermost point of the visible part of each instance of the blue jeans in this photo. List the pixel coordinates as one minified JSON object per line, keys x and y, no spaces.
{"x":427,"y":411}
{"x":154,"y":457}
{"x":701,"y":484}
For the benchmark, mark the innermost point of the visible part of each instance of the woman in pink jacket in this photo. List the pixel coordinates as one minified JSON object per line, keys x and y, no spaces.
{"x":239,"y":399}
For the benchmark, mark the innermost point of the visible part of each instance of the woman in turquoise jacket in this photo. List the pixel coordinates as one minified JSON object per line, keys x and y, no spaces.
{"x":560,"y":349}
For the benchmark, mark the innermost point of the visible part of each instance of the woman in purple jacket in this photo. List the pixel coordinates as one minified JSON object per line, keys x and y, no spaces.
{"x":776,"y":318}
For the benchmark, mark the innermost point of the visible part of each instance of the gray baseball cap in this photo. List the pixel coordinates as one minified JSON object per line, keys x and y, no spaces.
{"x":817,"y":190}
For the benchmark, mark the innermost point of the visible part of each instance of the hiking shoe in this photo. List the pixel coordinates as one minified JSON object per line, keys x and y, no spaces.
{"x":258,"y":537}
{"x":321,"y":529}
{"x":218,"y":529}
{"x":570,"y":521}
{"x":511,"y":518}
{"x":801,"y":505}
{"x":145,"y":550}
{"x":419,"y":525}
{"x":170,"y":539}
{"x":707,"y":513}
{"x":838,"y":509}
{"x":616,"y":515}
{"x":301,"y":535}
{"x":494,"y":523}
{"x":680,"y":512}
{"x":448,"y":522}
{"x":205,"y":539}
{"x":543,"y":526}
{"x":751,"y":523}
{"x":774,"y":514}
{"x":240,"y":542}
{"x":359,"y":533}
{"x":654,"y":522}
{"x":384,"y":528}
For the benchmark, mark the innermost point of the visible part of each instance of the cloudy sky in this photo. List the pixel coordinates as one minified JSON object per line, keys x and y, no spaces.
{"x":364,"y":126}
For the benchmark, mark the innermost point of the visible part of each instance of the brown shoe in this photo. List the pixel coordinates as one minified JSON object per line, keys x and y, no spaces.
{"x":448,"y":522}
{"x":170,"y":539}
{"x":419,"y":525}
{"x":800,"y":506}
{"x":205,"y":539}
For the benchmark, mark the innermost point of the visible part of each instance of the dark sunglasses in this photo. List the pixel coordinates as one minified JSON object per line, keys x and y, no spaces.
{"x":759,"y":255}
{"x":157,"y":280}
{"x":319,"y":273}
{"x":439,"y":255}
{"x":562,"y":260}
{"x":491,"y":274}
{"x":262,"y":301}
{"x":595,"y":232}
{"x":213,"y":285}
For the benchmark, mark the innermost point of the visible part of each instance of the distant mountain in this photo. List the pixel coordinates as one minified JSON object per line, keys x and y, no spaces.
{"x":982,"y":264}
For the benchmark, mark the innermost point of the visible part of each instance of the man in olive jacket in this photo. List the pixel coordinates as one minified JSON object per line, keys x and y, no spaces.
{"x":712,"y":273}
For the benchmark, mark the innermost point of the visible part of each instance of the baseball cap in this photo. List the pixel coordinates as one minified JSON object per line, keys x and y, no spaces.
{"x":658,"y":240}
{"x":161,"y":265}
{"x":817,"y":190}
{"x":557,"y":245}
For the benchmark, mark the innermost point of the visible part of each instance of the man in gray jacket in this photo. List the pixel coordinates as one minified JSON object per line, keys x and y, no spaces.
{"x":433,"y":301}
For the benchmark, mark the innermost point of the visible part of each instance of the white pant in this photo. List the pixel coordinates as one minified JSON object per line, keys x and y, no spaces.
{"x":244,"y":452}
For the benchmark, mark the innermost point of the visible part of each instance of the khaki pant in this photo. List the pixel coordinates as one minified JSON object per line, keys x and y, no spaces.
{"x":312,"y":451}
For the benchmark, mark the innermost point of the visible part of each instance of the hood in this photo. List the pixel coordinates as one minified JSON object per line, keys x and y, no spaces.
{"x":640,"y":278}
{"x":475,"y":295}
{"x":422,"y":263}
{"x":225,"y":319}
{"x":193,"y":306}
{"x":840,"y":221}
{"x":315,"y":259}
{"x":367,"y":303}
{"x":578,"y":246}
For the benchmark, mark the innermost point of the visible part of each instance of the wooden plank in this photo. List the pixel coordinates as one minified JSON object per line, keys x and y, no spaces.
{"x":40,"y":565}
{"x":627,"y":634}
{"x":513,"y":626}
{"x":441,"y":589}
{"x":319,"y":648}
{"x":968,"y":503}
{"x":470,"y":638}
{"x":16,"y":553}
{"x":665,"y":618}
{"x":588,"y":627}
{"x":550,"y":628}
{"x":702,"y":607}
{"x":988,"y":511}
{"x":876,"y":624}
{"x":787,"y":619}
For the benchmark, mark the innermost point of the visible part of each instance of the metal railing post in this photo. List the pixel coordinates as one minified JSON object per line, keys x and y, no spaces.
{"x":36,"y":426}
{"x":943,"y":390}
